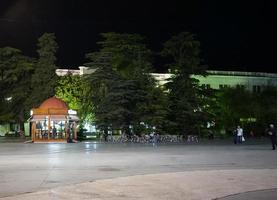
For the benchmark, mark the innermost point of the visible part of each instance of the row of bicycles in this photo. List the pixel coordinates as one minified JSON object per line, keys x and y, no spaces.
{"x":151,"y":139}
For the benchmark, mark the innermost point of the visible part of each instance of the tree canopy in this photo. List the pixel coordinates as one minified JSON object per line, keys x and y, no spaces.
{"x":121,"y":93}
{"x":185,"y":97}
{"x":14,"y":84}
{"x":44,"y":78}
{"x":121,"y":84}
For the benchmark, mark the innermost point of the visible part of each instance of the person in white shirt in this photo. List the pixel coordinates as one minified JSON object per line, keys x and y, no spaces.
{"x":239,"y":134}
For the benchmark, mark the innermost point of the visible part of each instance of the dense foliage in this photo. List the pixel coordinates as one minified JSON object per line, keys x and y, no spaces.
{"x":14,"y":85}
{"x":122,"y":90}
{"x":44,"y":78}
{"x":254,"y":111}
{"x":25,"y":82}
{"x":186,"y":112}
{"x":121,"y":95}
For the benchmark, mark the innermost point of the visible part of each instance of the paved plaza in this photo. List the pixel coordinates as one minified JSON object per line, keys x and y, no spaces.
{"x":137,"y":171}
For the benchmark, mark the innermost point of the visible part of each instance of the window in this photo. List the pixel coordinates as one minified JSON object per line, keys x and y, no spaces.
{"x":206,"y":86}
{"x":257,"y":88}
{"x":240,"y":86}
{"x":223,"y":86}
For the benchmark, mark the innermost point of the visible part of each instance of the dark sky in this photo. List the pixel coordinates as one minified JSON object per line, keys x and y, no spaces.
{"x":234,"y":35}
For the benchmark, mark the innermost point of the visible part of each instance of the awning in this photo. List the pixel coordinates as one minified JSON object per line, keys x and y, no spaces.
{"x":38,"y":118}
{"x":58,"y":117}
{"x":45,"y":117}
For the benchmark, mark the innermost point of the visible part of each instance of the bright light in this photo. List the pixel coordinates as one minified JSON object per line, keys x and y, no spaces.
{"x":91,"y":136}
{"x":8,"y":98}
{"x":72,"y":112}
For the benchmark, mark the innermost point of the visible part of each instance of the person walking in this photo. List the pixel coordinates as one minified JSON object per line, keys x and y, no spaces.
{"x":272,"y":132}
{"x":235,"y":136}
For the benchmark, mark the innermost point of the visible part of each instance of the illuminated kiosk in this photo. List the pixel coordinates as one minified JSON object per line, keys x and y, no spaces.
{"x":52,"y":121}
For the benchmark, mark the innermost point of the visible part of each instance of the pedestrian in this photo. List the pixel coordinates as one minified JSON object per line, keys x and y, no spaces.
{"x":158,"y":137}
{"x":240,"y":137}
{"x":155,"y":140}
{"x":54,"y":132}
{"x":272,"y":132}
{"x":235,"y":136}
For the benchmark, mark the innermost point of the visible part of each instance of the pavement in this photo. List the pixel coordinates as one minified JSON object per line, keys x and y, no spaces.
{"x":191,"y":185}
{"x":128,"y":171}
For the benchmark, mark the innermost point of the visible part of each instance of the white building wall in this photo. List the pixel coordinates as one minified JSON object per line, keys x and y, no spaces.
{"x":215,"y":79}
{"x":247,"y":80}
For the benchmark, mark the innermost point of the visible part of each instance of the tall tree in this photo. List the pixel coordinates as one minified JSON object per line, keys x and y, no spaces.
{"x":15,"y":85}
{"x":99,"y":83}
{"x":184,"y":49}
{"x":130,"y":55}
{"x":184,"y":98}
{"x":44,"y":78}
{"x":8,"y":61}
{"x":152,"y":111}
{"x":121,"y":81}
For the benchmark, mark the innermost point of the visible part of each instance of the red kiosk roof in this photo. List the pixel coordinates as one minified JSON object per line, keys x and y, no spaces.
{"x":53,"y":102}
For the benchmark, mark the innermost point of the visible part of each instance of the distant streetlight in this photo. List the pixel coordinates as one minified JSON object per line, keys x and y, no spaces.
{"x":8,"y":98}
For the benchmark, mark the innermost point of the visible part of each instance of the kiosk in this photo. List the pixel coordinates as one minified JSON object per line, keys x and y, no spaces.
{"x":52,"y":121}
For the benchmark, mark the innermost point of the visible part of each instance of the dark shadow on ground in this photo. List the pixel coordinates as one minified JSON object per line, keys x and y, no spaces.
{"x":270,"y":194}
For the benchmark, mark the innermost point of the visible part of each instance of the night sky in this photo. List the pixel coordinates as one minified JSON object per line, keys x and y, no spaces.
{"x":234,"y":35}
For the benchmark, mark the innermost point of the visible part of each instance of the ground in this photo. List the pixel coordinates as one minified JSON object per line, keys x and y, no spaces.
{"x":133,"y":171}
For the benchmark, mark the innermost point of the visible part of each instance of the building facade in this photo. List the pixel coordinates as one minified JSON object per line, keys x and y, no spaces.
{"x":251,"y":81}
